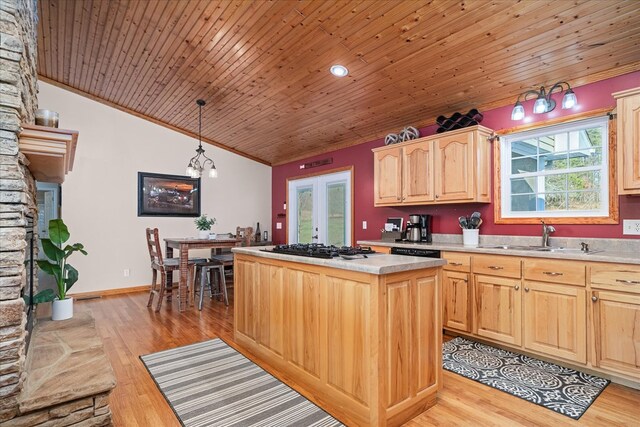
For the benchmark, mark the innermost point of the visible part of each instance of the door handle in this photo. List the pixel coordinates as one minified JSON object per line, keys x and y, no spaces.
{"x":314,"y":237}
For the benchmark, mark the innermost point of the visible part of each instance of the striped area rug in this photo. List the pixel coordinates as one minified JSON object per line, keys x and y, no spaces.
{"x":211,"y":384}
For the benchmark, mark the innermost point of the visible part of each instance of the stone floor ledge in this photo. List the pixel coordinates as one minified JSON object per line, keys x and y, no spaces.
{"x":65,"y":363}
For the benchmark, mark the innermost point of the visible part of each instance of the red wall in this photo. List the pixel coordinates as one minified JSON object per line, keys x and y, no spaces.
{"x":590,"y":97}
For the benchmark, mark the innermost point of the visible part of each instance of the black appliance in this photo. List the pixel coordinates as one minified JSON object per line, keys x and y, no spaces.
{"x":425,"y":228}
{"x":425,"y":253}
{"x":318,"y":250}
{"x":420,"y":228}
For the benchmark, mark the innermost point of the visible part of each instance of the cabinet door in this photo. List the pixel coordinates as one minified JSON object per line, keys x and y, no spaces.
{"x":629,"y":143}
{"x":555,"y":320}
{"x":417,"y":172}
{"x":270,"y":325}
{"x":457,"y":301}
{"x":616,"y":332}
{"x":388,"y":176}
{"x":498,"y":309}
{"x":454,"y":167}
{"x":246,"y":305}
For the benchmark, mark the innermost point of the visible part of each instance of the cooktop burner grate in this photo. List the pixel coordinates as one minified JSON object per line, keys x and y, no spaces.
{"x":318,"y":250}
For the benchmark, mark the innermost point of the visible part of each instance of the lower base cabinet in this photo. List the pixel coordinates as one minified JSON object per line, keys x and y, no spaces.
{"x":616,"y":332}
{"x":555,"y":320}
{"x":498,"y":303}
{"x":456,"y":300}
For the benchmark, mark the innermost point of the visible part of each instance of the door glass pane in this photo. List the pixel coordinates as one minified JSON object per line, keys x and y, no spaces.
{"x":304,"y":201}
{"x":336,"y":214}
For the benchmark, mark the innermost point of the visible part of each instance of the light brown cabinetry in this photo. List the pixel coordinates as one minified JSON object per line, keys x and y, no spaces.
{"x":387,"y":166}
{"x":628,"y":141}
{"x":615,"y":314}
{"x":446,"y":168}
{"x":554,"y":308}
{"x":381,"y":249}
{"x":456,"y":291}
{"x":555,"y":320}
{"x":498,"y":305}
{"x":369,"y":344}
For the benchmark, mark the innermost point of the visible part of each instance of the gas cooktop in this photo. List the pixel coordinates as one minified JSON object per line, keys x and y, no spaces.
{"x":318,"y":250}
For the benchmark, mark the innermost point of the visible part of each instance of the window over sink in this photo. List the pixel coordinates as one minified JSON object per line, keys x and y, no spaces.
{"x":560,"y":172}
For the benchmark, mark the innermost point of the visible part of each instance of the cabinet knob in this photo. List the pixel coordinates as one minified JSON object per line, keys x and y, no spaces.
{"x":437,"y":196}
{"x":526,"y":289}
{"x":517,"y":287}
{"x":594,"y":298}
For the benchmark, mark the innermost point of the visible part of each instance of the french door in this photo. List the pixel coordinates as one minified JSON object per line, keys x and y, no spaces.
{"x":320,"y":209}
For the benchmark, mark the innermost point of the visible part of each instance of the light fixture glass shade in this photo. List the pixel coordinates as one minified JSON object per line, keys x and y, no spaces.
{"x":339,"y":70}
{"x":213,"y":172}
{"x":518,"y":112}
{"x":540,"y":105}
{"x":190,"y":171}
{"x":569,"y":100}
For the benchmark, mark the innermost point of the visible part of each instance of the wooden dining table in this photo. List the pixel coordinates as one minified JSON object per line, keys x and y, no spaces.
{"x":184,"y":245}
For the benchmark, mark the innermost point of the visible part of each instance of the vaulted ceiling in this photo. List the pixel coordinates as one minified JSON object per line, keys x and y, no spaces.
{"x":263,"y":66}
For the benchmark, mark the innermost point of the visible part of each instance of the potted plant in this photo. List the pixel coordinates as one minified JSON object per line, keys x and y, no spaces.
{"x":203,"y":224}
{"x":57,"y":266}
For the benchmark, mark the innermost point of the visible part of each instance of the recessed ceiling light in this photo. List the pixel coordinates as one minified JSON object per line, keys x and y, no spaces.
{"x":339,"y":70}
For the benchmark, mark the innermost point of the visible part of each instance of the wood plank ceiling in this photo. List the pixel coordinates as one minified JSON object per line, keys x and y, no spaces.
{"x":263,"y":66}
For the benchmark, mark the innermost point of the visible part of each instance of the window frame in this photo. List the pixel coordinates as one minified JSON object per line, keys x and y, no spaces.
{"x":608,"y":171}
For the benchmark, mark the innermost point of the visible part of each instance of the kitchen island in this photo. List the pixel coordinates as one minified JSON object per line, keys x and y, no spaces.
{"x":363,"y":335}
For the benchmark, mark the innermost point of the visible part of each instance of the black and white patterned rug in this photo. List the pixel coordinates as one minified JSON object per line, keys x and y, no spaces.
{"x":211,"y":384}
{"x":566,"y":391}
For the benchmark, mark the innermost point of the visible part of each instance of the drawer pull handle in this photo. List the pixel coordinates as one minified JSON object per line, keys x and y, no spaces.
{"x":516,"y":287}
{"x":552,"y":273}
{"x":496,"y":267}
{"x":457,"y":264}
{"x":594,"y":298}
{"x":628,"y":282}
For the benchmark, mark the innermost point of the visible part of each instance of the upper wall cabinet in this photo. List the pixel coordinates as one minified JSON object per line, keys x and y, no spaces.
{"x":50,"y":151}
{"x":444,"y":168}
{"x":628,"y":135}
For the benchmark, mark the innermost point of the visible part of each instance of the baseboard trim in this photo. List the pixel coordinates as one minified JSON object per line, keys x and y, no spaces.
{"x":108,"y":292}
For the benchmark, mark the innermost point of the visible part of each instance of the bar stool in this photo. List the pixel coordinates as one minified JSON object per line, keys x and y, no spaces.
{"x":204,"y":271}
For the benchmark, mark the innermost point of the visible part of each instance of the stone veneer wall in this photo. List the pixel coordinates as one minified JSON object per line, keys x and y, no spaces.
{"x":18,"y":103}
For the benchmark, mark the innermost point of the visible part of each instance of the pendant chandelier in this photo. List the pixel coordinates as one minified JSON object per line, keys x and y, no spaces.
{"x":200,"y":160}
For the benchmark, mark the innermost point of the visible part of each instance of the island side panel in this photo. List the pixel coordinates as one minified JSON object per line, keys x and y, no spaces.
{"x":352,"y":339}
{"x":411,"y":343}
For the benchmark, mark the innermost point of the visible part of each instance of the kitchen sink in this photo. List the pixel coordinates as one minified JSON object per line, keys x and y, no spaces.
{"x":558,"y":249}
{"x":569,"y":250}
{"x":511,"y":247}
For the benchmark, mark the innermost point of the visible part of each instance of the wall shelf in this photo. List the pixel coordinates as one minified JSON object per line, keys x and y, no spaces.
{"x":51,"y":151}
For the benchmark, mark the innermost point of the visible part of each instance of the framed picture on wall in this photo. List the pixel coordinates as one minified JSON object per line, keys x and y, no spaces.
{"x":168,"y":195}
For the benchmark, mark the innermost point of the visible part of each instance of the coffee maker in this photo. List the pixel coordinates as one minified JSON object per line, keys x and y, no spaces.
{"x":422,"y":223}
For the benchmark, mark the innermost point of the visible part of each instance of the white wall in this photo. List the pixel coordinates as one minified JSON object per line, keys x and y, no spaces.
{"x":99,"y":197}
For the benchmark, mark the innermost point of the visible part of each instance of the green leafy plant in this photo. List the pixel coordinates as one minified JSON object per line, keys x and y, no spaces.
{"x":203,"y":223}
{"x":57,"y":266}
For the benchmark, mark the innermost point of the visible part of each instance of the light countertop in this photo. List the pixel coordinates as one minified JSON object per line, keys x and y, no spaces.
{"x":614,"y":256}
{"x":379,"y":264}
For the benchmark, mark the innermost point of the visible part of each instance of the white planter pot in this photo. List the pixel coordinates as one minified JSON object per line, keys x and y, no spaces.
{"x":62,"y":309}
{"x":203,"y":234}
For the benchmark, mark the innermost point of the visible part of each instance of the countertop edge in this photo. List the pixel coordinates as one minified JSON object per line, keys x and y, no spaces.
{"x":378,"y":264}
{"x":608,"y":257}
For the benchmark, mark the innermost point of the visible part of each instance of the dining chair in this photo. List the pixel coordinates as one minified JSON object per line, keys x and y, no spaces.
{"x":164,"y":265}
{"x":226,"y":258}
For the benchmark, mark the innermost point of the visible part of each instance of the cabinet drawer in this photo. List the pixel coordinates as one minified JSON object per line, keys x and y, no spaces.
{"x":619,"y":277}
{"x":496,"y":265}
{"x":554,"y":271}
{"x":457,"y":261}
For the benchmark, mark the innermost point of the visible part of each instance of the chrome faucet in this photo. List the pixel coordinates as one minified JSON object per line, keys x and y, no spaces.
{"x":546,"y":230}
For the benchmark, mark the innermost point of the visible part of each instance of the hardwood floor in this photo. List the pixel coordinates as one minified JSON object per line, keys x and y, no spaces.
{"x":129,"y":330}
